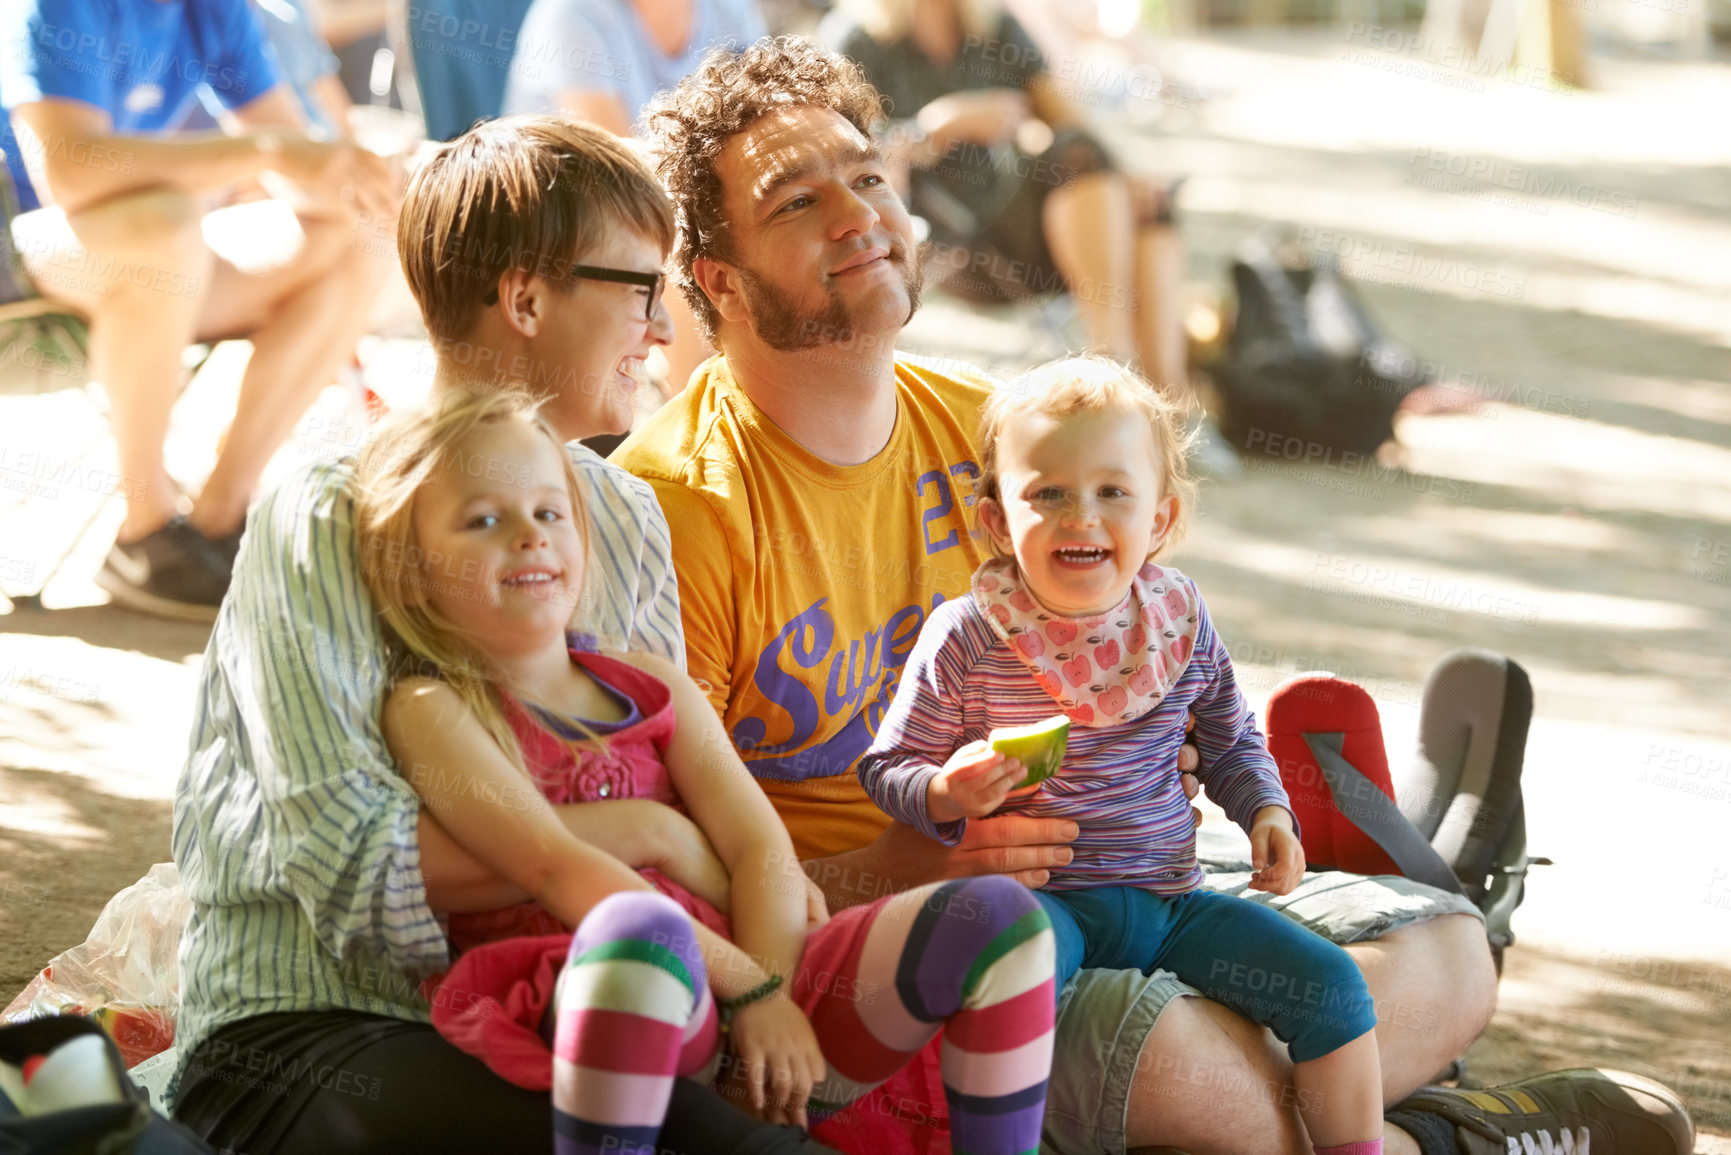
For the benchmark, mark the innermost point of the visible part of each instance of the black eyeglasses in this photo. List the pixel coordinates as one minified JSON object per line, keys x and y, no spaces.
{"x":654,"y":282}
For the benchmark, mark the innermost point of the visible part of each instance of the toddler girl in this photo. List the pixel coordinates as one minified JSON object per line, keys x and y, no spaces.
{"x":1082,"y":483}
{"x":473,"y":543}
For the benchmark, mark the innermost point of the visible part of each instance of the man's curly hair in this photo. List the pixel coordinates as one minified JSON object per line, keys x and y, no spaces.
{"x":729,"y":91}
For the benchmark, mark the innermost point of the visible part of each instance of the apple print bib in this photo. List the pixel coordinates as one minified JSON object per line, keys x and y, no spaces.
{"x":1106,"y":668}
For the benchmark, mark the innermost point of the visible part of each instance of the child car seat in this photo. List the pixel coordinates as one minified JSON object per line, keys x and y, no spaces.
{"x":1459,"y":824}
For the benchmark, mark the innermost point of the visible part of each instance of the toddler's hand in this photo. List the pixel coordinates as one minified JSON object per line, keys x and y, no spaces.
{"x":1275,"y":852}
{"x":973,"y":783}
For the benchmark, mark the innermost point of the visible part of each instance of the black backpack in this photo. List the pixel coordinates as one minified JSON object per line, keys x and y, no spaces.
{"x":1305,"y":365}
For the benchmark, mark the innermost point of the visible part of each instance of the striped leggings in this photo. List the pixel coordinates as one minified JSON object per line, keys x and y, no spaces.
{"x":972,"y":957}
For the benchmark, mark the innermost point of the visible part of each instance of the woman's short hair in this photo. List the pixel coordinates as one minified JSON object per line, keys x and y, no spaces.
{"x":524,"y":192}
{"x":728,"y":92}
{"x":1092,"y":384}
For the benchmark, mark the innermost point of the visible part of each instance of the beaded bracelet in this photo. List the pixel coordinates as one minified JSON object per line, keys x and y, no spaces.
{"x":755,"y":995}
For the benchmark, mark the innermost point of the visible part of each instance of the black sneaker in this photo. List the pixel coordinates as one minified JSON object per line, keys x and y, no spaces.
{"x":175,"y":572}
{"x":228,"y":545}
{"x":1568,"y":1112}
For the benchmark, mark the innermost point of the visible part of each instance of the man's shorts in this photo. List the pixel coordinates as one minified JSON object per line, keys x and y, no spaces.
{"x":1104,"y":1016}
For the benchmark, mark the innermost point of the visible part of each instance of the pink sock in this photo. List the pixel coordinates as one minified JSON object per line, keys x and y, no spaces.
{"x":1365,"y":1147}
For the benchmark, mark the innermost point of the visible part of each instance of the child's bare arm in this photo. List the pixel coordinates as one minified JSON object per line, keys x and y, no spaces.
{"x":768,"y":887}
{"x":773,"y":1037}
{"x":496,"y":815}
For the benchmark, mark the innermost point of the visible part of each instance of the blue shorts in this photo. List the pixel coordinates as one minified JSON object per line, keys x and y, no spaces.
{"x":1262,"y":965}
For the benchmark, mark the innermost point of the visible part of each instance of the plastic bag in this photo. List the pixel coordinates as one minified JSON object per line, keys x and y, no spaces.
{"x":125,"y":974}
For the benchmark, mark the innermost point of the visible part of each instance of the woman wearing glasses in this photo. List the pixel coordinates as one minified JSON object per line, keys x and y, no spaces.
{"x":321,"y":885}
{"x":602,"y":61}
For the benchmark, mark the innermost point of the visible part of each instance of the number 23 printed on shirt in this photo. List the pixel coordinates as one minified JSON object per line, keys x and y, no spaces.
{"x":936,"y":478}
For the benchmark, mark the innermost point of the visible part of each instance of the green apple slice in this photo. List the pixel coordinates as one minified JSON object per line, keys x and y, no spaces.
{"x":1040,"y":746}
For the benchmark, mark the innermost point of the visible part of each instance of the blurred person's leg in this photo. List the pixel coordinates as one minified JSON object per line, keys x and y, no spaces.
{"x":1125,"y":269}
{"x":1088,"y":229}
{"x":141,"y":269}
{"x":303,"y":318}
{"x":146,"y":271}
{"x":138,"y":267}
{"x":1159,"y":293}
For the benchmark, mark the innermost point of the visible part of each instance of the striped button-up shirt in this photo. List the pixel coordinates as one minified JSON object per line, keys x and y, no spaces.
{"x":295,"y":837}
{"x":1118,"y":783}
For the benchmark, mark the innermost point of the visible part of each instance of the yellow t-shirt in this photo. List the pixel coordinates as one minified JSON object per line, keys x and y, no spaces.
{"x":803,"y":584}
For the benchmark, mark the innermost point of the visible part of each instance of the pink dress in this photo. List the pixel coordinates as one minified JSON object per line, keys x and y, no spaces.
{"x":507,"y":962}
{"x":630,"y":767}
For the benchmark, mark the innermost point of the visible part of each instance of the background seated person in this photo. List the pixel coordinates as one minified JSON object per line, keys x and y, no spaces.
{"x":1013,"y":220}
{"x":121,"y":210}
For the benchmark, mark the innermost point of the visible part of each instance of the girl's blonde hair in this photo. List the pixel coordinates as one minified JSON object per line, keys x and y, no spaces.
{"x":407,"y":452}
{"x":1092,"y":384}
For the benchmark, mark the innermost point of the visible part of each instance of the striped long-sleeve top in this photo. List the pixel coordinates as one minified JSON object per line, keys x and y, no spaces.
{"x":296,"y":838}
{"x":1118,"y":783}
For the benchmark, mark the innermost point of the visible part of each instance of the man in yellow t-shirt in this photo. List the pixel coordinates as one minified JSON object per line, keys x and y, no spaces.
{"x":808,"y":580}
{"x":818,"y":487}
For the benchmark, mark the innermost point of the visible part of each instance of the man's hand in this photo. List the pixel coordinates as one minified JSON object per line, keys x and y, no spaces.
{"x":1026,"y":849}
{"x":1275,"y":852}
{"x":779,"y":1059}
{"x":334,"y":171}
{"x":1188,"y":761}
{"x":973,"y":783}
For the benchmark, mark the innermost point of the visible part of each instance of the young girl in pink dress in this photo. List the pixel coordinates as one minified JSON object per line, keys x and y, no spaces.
{"x":690,"y":911}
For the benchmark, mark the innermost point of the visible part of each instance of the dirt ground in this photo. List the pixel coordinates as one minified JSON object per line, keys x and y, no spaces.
{"x":1578,"y":517}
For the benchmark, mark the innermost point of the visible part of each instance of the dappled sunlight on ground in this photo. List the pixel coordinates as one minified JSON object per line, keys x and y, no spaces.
{"x":1581,"y":464}
{"x":1574,"y":280}
{"x":1620,"y":1008}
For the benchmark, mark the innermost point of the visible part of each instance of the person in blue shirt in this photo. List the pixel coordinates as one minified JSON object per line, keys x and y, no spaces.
{"x":118,"y":211}
{"x":306,"y":62}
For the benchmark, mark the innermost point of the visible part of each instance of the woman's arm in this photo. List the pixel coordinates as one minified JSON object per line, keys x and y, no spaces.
{"x":638,"y":832}
{"x":602,"y":109}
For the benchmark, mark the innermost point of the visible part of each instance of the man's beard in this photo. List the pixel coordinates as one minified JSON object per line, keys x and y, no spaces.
{"x":781,"y":325}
